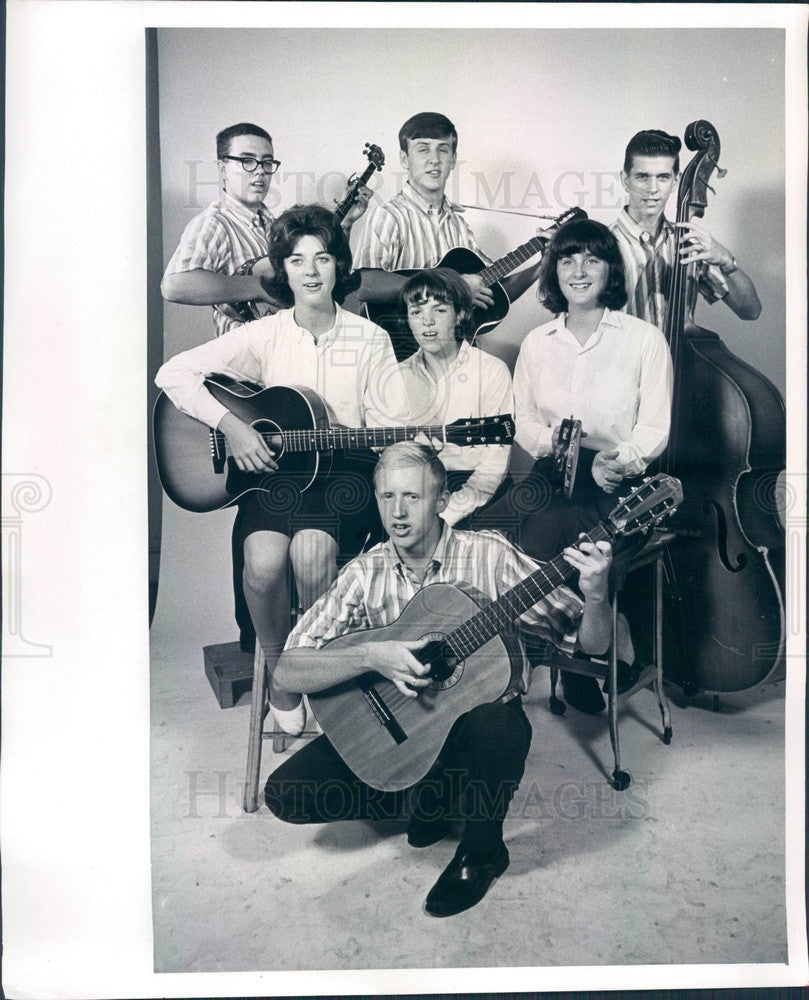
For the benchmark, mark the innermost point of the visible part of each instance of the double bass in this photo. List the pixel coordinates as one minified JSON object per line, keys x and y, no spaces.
{"x":725,"y":614}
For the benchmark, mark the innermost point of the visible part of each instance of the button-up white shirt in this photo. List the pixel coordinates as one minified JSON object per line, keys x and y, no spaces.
{"x":352,"y":367}
{"x":619,"y":384}
{"x":474,"y":384}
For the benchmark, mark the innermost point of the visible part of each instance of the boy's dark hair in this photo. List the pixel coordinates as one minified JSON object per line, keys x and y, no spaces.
{"x":652,"y":142}
{"x":225,"y":137}
{"x":443,"y":285}
{"x":427,"y":125}
{"x":288,"y":228}
{"x":582,"y":236}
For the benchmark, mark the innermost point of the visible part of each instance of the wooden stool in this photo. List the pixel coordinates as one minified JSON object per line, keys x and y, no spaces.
{"x":653,"y":552}
{"x":259,"y":709}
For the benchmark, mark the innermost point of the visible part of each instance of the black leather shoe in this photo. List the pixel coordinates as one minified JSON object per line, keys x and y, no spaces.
{"x":582,"y":692}
{"x":423,"y":832}
{"x":627,"y":677}
{"x":465,"y":881}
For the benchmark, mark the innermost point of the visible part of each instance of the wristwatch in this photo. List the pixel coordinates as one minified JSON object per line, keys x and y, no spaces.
{"x":729,"y":269}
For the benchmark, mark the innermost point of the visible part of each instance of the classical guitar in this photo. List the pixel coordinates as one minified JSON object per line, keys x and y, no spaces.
{"x":566,"y":458}
{"x":197,"y":473}
{"x":391,"y":741}
{"x":392,"y":316}
{"x":245,"y":312}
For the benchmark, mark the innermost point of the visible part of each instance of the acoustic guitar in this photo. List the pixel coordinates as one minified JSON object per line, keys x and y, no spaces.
{"x":245,"y":312}
{"x":392,"y":316}
{"x":391,"y":741}
{"x":300,"y":431}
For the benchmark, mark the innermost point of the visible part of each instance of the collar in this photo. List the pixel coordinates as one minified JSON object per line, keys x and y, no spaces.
{"x":412,"y":195}
{"x":611,"y":318}
{"x":461,"y":358}
{"x":324,"y":338}
{"x":637,"y":232}
{"x":439,"y":555}
{"x":233,"y":207}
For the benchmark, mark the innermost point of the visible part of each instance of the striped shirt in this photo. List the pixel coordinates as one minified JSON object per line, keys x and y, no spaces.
{"x":475,"y":384}
{"x":407,"y":232}
{"x":373,"y":590}
{"x":221,"y":239}
{"x":649,"y":267}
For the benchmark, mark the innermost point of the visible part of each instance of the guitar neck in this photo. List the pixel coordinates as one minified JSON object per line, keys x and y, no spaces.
{"x":343,"y":208}
{"x":498,"y":615}
{"x":350,"y":438}
{"x":505,"y":265}
{"x":346,"y":438}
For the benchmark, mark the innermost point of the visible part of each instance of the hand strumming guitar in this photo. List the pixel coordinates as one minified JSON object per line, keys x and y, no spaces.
{"x":247,"y":446}
{"x":482,"y":296}
{"x":395,"y":660}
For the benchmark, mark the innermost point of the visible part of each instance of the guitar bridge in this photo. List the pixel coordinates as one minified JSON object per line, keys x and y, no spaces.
{"x":382,"y":712}
{"x":218,"y":451}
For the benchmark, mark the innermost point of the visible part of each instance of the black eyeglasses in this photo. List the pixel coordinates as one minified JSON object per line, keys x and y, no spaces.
{"x":250,"y":163}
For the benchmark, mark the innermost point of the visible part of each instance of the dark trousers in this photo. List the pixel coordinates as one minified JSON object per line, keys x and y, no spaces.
{"x":473,"y":780}
{"x":543,"y":524}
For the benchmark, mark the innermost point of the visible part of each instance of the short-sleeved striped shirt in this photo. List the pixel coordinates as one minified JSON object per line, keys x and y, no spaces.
{"x":221,"y":239}
{"x":407,"y":232}
{"x":373,"y":590}
{"x":649,"y":268}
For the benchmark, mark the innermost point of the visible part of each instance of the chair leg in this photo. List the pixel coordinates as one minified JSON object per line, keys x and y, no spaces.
{"x":620,"y":779}
{"x":557,"y":706}
{"x":258,"y":712}
{"x":279,"y":738}
{"x":662,"y":701}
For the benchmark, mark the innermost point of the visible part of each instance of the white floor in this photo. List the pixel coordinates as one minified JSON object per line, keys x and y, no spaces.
{"x":685,"y":866}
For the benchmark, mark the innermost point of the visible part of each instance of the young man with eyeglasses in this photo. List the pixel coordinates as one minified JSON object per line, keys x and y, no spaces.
{"x":232,"y":230}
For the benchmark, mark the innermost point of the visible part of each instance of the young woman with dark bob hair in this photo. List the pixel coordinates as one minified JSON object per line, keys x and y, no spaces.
{"x":597,"y":364}
{"x":349,"y":361}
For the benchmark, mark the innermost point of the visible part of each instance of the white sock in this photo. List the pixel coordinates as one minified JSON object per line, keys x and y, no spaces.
{"x":291,"y":720}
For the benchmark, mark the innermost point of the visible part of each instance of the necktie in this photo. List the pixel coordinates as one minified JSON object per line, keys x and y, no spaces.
{"x":646,"y":289}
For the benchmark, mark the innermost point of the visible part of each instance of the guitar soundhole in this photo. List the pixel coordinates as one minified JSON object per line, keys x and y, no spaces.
{"x":445,"y":667}
{"x":273,"y":436}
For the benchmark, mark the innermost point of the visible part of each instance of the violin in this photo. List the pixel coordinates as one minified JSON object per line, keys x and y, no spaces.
{"x":725,"y":607}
